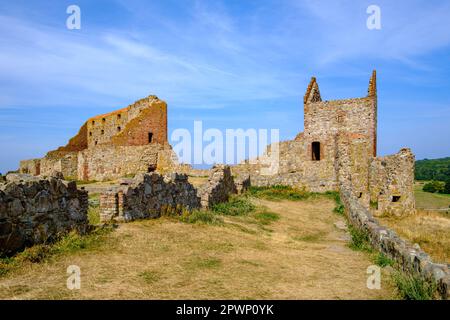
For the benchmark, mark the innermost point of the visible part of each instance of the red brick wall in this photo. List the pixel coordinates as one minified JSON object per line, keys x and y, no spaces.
{"x":152,"y":119}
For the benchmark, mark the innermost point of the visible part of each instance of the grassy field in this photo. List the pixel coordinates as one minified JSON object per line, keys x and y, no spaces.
{"x":427,"y":200}
{"x":251,"y":248}
{"x":430,"y":230}
{"x":430,"y":227}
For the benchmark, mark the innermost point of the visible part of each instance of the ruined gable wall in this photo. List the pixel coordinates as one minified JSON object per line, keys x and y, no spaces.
{"x":131,"y":125}
{"x":150,"y":120}
{"x":324,"y":119}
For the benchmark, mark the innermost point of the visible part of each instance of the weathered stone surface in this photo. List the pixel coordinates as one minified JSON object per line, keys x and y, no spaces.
{"x":149,"y":196}
{"x":18,"y":177}
{"x":219,"y":187}
{"x":34,"y":211}
{"x":333,"y":129}
{"x":153,"y":195}
{"x":409,"y":256}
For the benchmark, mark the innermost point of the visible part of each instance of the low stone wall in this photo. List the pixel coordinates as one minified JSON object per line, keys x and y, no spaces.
{"x":148,"y":196}
{"x":37,"y":211}
{"x":410,"y":257}
{"x":219,"y":187}
{"x":152,"y":195}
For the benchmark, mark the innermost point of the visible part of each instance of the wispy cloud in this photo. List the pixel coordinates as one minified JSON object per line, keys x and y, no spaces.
{"x":218,"y":59}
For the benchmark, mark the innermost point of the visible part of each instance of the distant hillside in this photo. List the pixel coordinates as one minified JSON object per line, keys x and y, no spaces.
{"x":434,"y":169}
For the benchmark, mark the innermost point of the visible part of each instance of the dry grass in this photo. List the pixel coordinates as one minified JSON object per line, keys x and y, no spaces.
{"x":431,"y":230}
{"x":302,"y":255}
{"x":198,"y":181}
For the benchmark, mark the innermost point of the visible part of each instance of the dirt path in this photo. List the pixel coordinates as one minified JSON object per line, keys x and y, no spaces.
{"x":303,"y":255}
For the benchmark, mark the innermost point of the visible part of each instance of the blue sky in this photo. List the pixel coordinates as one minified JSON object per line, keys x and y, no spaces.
{"x":232,"y":64}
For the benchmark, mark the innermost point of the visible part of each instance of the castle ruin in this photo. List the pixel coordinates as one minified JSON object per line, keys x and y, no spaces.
{"x":336,"y":152}
{"x":339,"y":145}
{"x":113,"y":145}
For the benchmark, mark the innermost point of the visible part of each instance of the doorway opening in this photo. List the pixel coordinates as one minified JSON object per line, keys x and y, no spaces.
{"x":315,"y":151}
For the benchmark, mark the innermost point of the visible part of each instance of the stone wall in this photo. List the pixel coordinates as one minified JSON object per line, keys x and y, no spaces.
{"x":110,"y":162}
{"x":293,"y":167}
{"x":219,"y":187}
{"x":38,"y":210}
{"x":410,"y":257}
{"x":391,"y":184}
{"x":149,"y":196}
{"x":58,"y":161}
{"x":32,"y":166}
{"x":152,"y":195}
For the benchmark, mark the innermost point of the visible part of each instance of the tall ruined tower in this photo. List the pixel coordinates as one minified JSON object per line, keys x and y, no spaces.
{"x":355,"y":117}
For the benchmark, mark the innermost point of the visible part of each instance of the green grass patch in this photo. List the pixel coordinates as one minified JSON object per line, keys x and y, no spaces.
{"x":279,"y":192}
{"x":66,"y":244}
{"x":69,"y":178}
{"x":412,"y":287}
{"x":381,"y":260}
{"x":359,"y":240}
{"x":266,"y":217}
{"x":150,"y":276}
{"x":94,"y":209}
{"x":339,"y":209}
{"x":202,"y":217}
{"x":314,"y":237}
{"x":236,"y":206}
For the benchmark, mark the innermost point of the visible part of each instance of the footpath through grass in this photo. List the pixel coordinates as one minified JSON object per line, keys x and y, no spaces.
{"x":238,"y":211}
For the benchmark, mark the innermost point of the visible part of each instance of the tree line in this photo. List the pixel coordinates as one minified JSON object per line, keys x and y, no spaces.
{"x":435,"y":170}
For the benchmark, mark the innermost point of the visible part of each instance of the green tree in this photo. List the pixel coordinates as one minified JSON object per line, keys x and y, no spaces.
{"x":434,"y":186}
{"x":447,"y":187}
